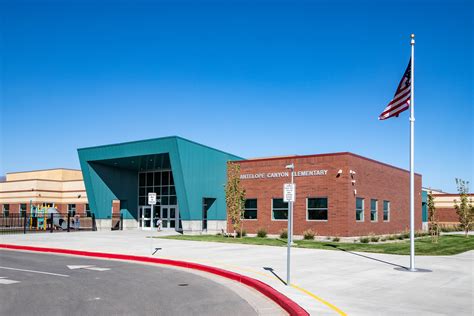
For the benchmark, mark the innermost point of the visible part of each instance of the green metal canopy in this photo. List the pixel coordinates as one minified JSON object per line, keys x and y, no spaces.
{"x":111,"y":173}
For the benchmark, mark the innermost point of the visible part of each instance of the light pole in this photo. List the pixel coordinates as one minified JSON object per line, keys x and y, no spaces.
{"x":290,"y":228}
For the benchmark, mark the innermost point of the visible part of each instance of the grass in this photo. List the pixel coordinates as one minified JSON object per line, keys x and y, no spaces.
{"x":447,"y":245}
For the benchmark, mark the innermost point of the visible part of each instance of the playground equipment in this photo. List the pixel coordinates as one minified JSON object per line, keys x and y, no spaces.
{"x":40,"y":217}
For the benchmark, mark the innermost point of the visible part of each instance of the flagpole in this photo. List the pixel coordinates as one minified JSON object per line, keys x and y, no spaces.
{"x":412,"y":156}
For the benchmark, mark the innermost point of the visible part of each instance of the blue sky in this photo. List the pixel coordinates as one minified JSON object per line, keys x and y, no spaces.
{"x":254,"y":78}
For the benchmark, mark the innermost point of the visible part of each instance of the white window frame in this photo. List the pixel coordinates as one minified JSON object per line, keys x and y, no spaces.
{"x":271,"y":211}
{"x":307,"y":209}
{"x":376,"y":210}
{"x":363,"y":210}
{"x":251,"y":209}
{"x":388,"y":211}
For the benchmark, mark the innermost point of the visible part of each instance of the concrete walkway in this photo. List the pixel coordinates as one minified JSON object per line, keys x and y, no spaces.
{"x":327,"y":282}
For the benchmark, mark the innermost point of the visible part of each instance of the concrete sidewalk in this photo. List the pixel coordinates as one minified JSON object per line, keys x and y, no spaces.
{"x":328,"y":282}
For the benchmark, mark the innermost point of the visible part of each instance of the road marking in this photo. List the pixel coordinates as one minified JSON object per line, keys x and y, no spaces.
{"x":98,"y":269}
{"x":4,"y":280}
{"x":94,"y":268}
{"x":33,"y":271}
{"x":78,"y":267}
{"x":334,"y":308}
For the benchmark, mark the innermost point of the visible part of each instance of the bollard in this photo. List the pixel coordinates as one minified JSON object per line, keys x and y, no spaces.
{"x":121,"y":221}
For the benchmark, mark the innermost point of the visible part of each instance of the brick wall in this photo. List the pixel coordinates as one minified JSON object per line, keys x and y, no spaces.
{"x":373,"y":180}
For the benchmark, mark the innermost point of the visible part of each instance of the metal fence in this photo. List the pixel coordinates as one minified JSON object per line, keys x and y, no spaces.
{"x":24,"y":223}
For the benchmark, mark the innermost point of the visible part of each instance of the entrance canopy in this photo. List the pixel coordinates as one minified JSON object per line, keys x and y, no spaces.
{"x":111,"y":172}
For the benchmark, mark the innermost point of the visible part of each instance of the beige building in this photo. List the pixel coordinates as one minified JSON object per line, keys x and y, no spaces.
{"x":60,"y":188}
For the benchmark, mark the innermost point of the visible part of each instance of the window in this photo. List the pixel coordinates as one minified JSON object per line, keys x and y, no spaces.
{"x":386,"y":211}
{"x":22,"y":210}
{"x":71,"y":208}
{"x":317,"y":209}
{"x":359,"y":209}
{"x":250,"y":211}
{"x":279,"y":209}
{"x":88,"y":211}
{"x":6,"y":210}
{"x":373,"y":210}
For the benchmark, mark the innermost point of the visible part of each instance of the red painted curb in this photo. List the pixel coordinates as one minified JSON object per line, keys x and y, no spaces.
{"x":286,"y":303}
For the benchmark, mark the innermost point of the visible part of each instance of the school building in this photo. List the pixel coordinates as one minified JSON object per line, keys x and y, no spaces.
{"x":337,"y":194}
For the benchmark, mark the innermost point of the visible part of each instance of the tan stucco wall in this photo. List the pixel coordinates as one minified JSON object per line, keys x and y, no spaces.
{"x":60,"y":186}
{"x":51,"y":174}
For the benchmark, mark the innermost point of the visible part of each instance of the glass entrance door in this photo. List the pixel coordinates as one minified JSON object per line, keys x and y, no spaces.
{"x":145,"y":218}
{"x":169,"y":216}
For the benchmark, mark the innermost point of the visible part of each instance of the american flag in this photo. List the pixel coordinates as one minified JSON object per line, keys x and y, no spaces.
{"x":401,"y":100}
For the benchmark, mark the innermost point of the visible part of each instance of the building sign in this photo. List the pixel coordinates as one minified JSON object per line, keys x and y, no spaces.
{"x":289,"y":192}
{"x":283,"y":174}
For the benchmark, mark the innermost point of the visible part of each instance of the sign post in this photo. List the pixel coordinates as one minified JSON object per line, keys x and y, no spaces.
{"x":289,"y":194}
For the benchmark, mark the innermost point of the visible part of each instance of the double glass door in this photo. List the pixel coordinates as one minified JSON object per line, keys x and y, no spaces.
{"x":148,"y":217}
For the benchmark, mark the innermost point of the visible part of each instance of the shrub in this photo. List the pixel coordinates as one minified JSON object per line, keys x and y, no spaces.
{"x":406,"y":234}
{"x":400,"y":237}
{"x":262,"y":233}
{"x":383,"y":239}
{"x":421,"y":233}
{"x":374,"y":238}
{"x":309,"y":234}
{"x":336,"y":239}
{"x":364,"y":240}
{"x":284,"y":233}
{"x":242,"y":234}
{"x":392,"y":237}
{"x":219,"y":234}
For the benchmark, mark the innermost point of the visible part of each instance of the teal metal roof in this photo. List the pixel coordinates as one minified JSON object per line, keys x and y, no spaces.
{"x":111,"y":173}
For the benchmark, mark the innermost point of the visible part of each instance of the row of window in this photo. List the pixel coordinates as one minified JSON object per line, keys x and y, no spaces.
{"x":316,"y":209}
{"x":374,"y":206}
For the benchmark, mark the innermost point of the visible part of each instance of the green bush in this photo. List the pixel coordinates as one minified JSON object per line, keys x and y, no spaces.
{"x":392,"y":237}
{"x":336,"y":239}
{"x":309,"y":234}
{"x":364,"y":240}
{"x":406,"y":234}
{"x":383,"y":239}
{"x":400,"y":236}
{"x":242,"y":234}
{"x":374,"y":238}
{"x":262,"y":233}
{"x":284,"y":233}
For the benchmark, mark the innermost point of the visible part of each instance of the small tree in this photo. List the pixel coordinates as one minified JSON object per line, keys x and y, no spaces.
{"x":234,"y":197}
{"x":464,"y":209}
{"x":433,"y":222}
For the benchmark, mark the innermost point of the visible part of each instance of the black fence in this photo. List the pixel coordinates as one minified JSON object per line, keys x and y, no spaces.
{"x":45,"y":223}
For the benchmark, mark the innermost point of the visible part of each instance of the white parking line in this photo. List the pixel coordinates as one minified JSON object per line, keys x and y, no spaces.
{"x":33,"y":271}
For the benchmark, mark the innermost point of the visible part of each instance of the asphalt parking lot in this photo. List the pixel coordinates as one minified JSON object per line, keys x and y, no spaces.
{"x":45,"y":284}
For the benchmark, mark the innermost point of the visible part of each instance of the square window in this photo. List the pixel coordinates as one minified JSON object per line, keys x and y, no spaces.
{"x":250,"y":209}
{"x":317,"y":209}
{"x":279,"y":209}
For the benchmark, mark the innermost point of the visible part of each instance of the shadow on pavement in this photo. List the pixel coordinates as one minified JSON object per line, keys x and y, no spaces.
{"x":273,"y":272}
{"x":367,"y":257}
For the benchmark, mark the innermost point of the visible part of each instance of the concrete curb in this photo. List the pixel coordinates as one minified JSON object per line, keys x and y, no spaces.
{"x":286,"y":303}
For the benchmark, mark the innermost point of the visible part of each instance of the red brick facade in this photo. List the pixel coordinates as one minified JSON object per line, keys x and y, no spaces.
{"x":373,"y":180}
